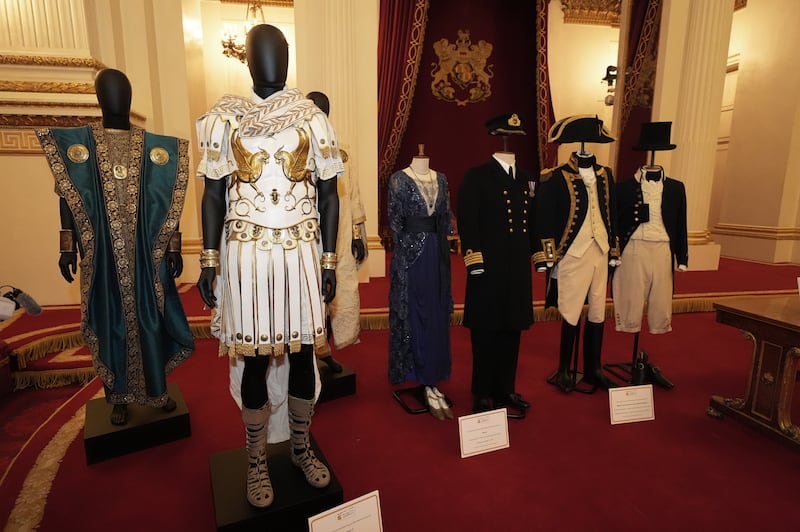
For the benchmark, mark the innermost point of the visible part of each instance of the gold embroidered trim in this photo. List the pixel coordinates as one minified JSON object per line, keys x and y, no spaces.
{"x":265,"y":238}
{"x":473,"y":257}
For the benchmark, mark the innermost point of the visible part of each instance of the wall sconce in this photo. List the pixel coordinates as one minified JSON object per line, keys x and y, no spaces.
{"x":232,"y":42}
{"x":611,"y":77}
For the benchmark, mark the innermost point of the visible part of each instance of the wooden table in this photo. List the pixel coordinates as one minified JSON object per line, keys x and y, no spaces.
{"x":773,"y":325}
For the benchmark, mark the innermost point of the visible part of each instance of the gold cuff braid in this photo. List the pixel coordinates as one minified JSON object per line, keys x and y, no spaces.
{"x":209,"y":258}
{"x":174,"y":245}
{"x":66,"y":243}
{"x":357,"y":232}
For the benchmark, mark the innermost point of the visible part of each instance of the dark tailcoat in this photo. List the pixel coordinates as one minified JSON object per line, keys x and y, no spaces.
{"x":673,"y":213}
{"x":561,"y":206}
{"x":495,"y":218}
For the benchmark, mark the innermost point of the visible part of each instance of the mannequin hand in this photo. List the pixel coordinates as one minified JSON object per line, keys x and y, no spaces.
{"x":682,"y":267}
{"x":359,"y":251}
{"x":68,"y":264}
{"x":328,"y":285}
{"x":206,"y":286}
{"x":174,"y":263}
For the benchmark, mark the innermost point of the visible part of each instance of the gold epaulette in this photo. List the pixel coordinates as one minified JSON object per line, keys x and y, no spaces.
{"x":472,"y":257}
{"x":546,"y":174}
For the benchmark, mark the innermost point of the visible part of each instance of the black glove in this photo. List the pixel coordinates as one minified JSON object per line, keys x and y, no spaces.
{"x":68,"y":264}
{"x":174,"y":263}
{"x":328,"y":285}
{"x":205,"y":283}
{"x":359,"y":251}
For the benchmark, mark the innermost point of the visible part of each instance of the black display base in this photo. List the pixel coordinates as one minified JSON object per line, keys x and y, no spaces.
{"x":336,"y":385}
{"x":580,"y":386}
{"x":417,"y":393}
{"x":652,"y":374}
{"x":146,"y":427}
{"x":295,"y":499}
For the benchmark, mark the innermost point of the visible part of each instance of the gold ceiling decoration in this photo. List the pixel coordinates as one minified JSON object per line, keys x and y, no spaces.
{"x":271,"y":3}
{"x":41,"y":60}
{"x":597,"y":12}
{"x":58,"y":87}
{"x":233,"y":43}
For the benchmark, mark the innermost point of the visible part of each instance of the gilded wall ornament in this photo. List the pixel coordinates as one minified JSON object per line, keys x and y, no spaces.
{"x":462,"y":74}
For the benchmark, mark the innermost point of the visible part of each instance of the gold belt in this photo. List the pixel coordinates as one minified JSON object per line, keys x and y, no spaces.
{"x":265,"y":238}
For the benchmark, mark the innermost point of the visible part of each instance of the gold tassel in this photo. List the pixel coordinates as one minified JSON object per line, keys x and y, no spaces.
{"x":44,"y":346}
{"x":52,"y":378}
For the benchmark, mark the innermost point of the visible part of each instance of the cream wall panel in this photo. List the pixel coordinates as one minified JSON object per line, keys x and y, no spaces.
{"x":585,"y":50}
{"x":43,"y":26}
{"x":29,"y":237}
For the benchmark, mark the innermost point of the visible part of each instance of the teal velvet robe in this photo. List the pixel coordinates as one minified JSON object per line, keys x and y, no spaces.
{"x":132,"y":318}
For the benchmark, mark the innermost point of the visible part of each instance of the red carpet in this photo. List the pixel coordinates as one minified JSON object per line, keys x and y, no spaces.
{"x":567,"y":467}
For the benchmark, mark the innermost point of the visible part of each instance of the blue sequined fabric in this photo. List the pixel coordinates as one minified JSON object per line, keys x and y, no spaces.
{"x":406,"y":201}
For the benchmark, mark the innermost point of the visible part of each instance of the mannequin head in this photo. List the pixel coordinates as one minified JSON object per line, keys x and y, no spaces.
{"x":267,"y":59}
{"x":320,"y":100}
{"x":113,"y":91}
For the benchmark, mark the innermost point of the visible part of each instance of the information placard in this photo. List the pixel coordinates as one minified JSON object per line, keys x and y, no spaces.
{"x":359,"y":515}
{"x":483,"y":432}
{"x":631,"y":403}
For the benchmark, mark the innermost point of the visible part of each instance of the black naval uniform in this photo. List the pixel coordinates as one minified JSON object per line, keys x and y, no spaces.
{"x":495,"y":214}
{"x":562,"y":206}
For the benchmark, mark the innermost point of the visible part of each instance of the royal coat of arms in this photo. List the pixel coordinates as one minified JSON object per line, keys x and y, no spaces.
{"x":462,"y":74}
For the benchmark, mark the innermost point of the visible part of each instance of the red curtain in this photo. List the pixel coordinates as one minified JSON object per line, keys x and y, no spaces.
{"x":637,"y":97}
{"x":401,"y":33}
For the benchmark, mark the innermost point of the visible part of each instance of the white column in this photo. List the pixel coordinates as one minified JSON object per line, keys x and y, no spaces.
{"x":336,"y":45}
{"x":697,"y":119}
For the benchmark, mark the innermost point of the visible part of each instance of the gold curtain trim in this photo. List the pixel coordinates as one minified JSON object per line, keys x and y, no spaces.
{"x":633,"y":83}
{"x":407,"y":91}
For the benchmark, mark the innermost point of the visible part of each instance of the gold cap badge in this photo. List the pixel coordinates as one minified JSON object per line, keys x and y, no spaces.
{"x":78,"y":153}
{"x":159,"y":156}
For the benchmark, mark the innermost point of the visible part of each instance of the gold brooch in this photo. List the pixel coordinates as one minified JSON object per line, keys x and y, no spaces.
{"x":120,"y":171}
{"x":159,"y":156}
{"x":78,"y":153}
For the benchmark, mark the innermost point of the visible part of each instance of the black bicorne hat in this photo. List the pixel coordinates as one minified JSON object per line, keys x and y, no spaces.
{"x":581,"y":128}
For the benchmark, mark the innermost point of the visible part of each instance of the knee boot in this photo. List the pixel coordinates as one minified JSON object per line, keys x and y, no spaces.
{"x":565,"y":380}
{"x":259,"y":486}
{"x":592,"y":347}
{"x":300,"y":412}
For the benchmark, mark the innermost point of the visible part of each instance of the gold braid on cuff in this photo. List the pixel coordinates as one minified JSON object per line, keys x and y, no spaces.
{"x":328,"y":260}
{"x":357,"y":232}
{"x":174,"y":245}
{"x":66,"y":243}
{"x":209,"y":258}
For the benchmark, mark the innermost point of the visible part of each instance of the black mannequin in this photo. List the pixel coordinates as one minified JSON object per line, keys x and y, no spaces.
{"x":114,"y":96}
{"x":268,"y":57}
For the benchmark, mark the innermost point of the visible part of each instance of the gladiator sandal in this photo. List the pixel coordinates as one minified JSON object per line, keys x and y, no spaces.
{"x":300,"y":412}
{"x":259,"y":486}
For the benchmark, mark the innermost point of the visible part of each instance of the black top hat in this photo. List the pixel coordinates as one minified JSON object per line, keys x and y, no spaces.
{"x":655,"y":137}
{"x":582,"y":128}
{"x":505,"y":124}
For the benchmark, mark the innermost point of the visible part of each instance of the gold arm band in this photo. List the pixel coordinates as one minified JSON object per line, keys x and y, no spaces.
{"x":174,"y":245}
{"x":209,"y":258}
{"x":66,"y":243}
{"x":357,"y":232}
{"x":329,"y":260}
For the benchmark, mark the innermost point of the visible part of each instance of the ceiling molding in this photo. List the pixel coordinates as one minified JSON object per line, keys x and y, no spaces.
{"x":596,"y":12}
{"x":43,"y":60}
{"x":266,"y":3}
